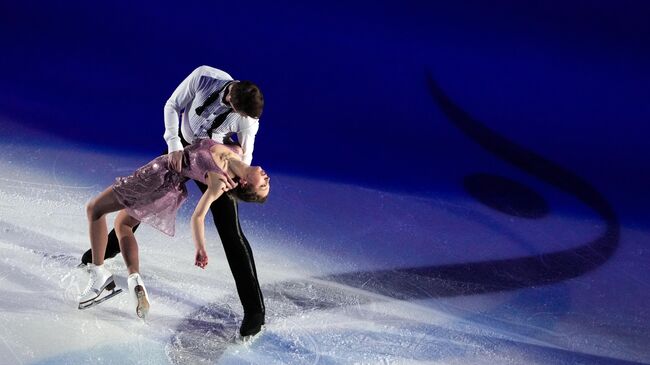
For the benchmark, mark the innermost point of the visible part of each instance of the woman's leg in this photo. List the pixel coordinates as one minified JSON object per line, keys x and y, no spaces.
{"x":96,"y":211}
{"x":112,"y":249}
{"x":124,"y":227}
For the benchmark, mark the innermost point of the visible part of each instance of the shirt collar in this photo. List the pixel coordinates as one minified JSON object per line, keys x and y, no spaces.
{"x":222,"y":94}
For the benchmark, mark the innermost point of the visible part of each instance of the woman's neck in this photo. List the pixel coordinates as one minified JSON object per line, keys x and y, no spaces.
{"x":237,"y":167}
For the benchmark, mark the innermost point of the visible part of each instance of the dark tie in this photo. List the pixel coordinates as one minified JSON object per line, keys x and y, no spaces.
{"x":211,"y":99}
{"x":218,"y":121}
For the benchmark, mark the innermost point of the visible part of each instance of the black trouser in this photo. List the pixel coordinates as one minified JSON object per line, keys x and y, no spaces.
{"x":238,"y":252}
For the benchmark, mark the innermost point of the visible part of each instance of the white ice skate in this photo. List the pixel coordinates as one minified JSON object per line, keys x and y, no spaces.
{"x":139,"y":295}
{"x":101,"y":287}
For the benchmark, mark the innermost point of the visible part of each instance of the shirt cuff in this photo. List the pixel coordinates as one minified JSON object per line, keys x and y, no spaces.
{"x":174,"y":144}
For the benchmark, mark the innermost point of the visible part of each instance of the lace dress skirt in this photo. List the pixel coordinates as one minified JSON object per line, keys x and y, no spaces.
{"x":153,"y":194}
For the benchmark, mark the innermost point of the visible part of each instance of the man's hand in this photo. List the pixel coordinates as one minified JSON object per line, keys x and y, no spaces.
{"x":228,"y":183}
{"x":175,"y":160}
{"x":201,"y":258}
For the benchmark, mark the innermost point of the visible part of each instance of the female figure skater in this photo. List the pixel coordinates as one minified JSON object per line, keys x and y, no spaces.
{"x":153,"y":194}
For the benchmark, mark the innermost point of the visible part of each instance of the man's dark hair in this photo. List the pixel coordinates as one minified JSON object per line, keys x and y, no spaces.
{"x":247,"y":194}
{"x":247,"y":98}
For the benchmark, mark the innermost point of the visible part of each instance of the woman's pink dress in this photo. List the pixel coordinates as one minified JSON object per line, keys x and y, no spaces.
{"x":154,"y":192}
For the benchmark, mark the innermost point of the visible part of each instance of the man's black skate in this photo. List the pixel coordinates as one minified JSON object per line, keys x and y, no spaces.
{"x":252,"y":324}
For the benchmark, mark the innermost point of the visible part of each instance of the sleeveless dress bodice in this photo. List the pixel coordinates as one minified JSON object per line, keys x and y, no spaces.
{"x":198,"y":161}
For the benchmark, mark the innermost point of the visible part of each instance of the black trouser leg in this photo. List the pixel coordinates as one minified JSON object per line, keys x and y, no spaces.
{"x":112,"y":249}
{"x":238,"y":251}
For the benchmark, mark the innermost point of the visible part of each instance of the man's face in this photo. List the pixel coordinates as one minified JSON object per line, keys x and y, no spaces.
{"x":227,"y":100}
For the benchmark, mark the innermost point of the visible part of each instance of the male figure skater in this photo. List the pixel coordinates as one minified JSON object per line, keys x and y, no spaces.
{"x":211,"y":104}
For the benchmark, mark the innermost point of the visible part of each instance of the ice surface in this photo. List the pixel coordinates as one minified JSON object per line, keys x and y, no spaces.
{"x":307,"y":240}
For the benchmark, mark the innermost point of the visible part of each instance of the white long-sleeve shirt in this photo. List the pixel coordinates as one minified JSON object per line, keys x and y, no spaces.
{"x":190,"y":94}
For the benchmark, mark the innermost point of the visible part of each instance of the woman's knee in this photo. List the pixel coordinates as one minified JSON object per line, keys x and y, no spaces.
{"x":92,"y":210}
{"x":102,"y":204}
{"x":120,"y":227}
{"x":124,"y":224}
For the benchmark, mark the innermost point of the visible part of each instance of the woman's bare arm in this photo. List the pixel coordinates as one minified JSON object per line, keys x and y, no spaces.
{"x":217,"y":185}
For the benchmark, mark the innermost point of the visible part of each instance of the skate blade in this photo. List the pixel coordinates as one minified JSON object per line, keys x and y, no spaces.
{"x":100,"y":300}
{"x":248,"y":340}
{"x":142,"y":310}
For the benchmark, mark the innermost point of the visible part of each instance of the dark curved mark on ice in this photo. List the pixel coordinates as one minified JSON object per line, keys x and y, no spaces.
{"x":506,"y":195}
{"x":499,"y":275}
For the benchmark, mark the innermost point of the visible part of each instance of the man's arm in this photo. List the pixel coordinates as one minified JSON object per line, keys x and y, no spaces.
{"x":182,"y":97}
{"x":246,"y":138}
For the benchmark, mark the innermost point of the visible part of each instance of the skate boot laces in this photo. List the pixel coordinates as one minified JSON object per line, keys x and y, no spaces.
{"x":91,"y":283}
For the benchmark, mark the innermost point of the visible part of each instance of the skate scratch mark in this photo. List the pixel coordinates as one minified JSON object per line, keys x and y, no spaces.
{"x":11,"y":350}
{"x":25,"y":182}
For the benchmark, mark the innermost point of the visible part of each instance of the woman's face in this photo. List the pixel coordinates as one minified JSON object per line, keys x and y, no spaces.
{"x":257,"y":180}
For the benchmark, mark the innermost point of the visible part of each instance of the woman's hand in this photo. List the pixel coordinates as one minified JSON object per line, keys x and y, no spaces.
{"x":201,"y":258}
